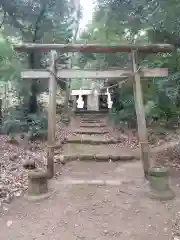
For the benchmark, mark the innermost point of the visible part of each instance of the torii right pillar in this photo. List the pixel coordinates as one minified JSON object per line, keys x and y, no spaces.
{"x":140,"y":113}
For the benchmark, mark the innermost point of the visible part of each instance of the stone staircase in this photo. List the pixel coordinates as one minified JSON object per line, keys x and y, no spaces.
{"x":92,"y":140}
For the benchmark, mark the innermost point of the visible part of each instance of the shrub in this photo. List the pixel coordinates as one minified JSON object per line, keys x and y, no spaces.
{"x":18,"y":121}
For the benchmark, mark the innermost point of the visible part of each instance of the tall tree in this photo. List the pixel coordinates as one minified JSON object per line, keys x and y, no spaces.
{"x":39,"y":21}
{"x":139,"y":21}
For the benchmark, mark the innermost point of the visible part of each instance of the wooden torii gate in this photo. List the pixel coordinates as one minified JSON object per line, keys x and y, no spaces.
{"x":135,"y":73}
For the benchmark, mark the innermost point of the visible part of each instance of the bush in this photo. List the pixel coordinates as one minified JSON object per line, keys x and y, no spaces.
{"x":123,"y":118}
{"x":159,"y":107}
{"x":18,"y":121}
{"x":13,"y":127}
{"x":38,"y":134}
{"x":38,"y":125}
{"x":37,"y":121}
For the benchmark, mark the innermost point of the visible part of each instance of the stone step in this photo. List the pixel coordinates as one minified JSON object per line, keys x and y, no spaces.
{"x":93,"y":116}
{"x":96,"y":182}
{"x":92,"y":121}
{"x":93,"y":131}
{"x":84,"y":149}
{"x":96,"y":118}
{"x":92,"y":140}
{"x":95,"y":157}
{"x":86,"y":112}
{"x":93,"y":125}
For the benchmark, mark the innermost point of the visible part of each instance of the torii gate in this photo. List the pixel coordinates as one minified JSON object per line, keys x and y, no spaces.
{"x":133,"y":74}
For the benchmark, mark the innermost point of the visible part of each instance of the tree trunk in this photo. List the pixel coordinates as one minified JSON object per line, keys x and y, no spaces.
{"x":34,"y":63}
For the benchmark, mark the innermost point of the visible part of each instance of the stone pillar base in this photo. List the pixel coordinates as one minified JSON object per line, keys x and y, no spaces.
{"x":159,"y":184}
{"x":37,"y":185}
{"x":162,"y":196}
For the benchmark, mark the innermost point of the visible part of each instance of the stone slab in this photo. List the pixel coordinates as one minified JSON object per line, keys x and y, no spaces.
{"x":91,"y":131}
{"x":98,"y":157}
{"x":92,"y":141}
{"x":92,"y":125}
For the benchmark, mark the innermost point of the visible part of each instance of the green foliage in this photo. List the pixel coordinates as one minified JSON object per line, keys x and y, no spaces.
{"x":123,"y":107}
{"x":6,"y":49}
{"x":38,"y":21}
{"x":18,"y":121}
{"x":13,"y":127}
{"x":129,"y":21}
{"x":37,"y":122}
{"x":8,"y":64}
{"x":38,"y":125}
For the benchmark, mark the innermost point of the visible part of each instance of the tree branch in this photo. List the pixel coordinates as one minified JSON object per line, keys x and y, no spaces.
{"x":77,"y":20}
{"x":10,"y":10}
{"x":4,"y":16}
{"x":39,"y":19}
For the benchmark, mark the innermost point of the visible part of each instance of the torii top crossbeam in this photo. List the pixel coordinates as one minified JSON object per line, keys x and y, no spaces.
{"x":95,"y":48}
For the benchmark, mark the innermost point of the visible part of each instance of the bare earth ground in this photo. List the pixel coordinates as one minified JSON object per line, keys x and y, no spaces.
{"x":92,"y":212}
{"x":88,"y":211}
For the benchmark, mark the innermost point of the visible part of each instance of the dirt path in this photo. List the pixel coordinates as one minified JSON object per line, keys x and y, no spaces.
{"x":92,"y":212}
